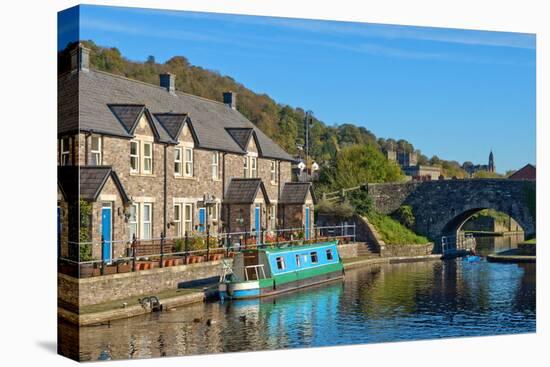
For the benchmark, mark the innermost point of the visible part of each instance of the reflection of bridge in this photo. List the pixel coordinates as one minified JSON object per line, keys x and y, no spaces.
{"x":442,"y":207}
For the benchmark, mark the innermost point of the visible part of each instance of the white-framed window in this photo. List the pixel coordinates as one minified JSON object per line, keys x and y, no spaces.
{"x":188,"y":162}
{"x":133,"y":221}
{"x":177,"y":220}
{"x":178,"y":167}
{"x":273,"y":216}
{"x":188,"y":218}
{"x":215,"y":166}
{"x":298,"y":260}
{"x":65,"y":151}
{"x":134,"y":156}
{"x":213,"y":212}
{"x":147,"y":221}
{"x":313,"y":256}
{"x":253,"y":167}
{"x":280,"y":262}
{"x":96,"y":150}
{"x":245,"y":167}
{"x":147,"y":157}
{"x":329,"y":255}
{"x":273,"y":171}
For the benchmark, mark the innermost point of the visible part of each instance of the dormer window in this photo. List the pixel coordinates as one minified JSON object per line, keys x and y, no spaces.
{"x":188,"y":162}
{"x":147,"y":158}
{"x":65,"y":151}
{"x":96,"y":151}
{"x":134,"y":156}
{"x":246,"y":170}
{"x":178,"y":165}
{"x":253,"y":167}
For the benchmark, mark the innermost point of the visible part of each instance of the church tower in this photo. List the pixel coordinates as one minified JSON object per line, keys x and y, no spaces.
{"x":491,"y":167}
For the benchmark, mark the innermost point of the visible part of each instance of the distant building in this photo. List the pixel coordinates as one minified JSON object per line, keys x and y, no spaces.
{"x":422,"y":173}
{"x":471,"y":169}
{"x":402,"y":158}
{"x":527,"y":172}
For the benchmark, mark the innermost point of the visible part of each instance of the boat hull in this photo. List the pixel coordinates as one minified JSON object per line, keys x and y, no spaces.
{"x":247,"y":290}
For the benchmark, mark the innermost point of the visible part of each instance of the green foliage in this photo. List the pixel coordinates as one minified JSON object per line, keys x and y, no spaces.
{"x":404,"y":214}
{"x":361,"y":201}
{"x":358,"y":164}
{"x":84,"y":231}
{"x":487,"y":174}
{"x":340,"y":210}
{"x":179,"y":245}
{"x":393,"y":232}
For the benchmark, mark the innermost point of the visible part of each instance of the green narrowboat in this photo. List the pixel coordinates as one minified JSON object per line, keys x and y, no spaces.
{"x":271,"y":270}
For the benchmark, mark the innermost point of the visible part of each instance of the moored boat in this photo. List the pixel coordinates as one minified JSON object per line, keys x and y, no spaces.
{"x":271,"y":270}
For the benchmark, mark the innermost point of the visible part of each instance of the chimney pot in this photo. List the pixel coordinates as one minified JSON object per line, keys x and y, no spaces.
{"x":168,"y":82}
{"x":80,"y":58}
{"x":230,"y":99}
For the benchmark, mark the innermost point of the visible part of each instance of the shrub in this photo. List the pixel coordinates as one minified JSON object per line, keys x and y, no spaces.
{"x":404,"y":214}
{"x":85,"y":248}
{"x":341,"y":210}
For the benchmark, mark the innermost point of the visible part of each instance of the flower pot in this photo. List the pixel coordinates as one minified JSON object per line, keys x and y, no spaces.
{"x":176,"y":262}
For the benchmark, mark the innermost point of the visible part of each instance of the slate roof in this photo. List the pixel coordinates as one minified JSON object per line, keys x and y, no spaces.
{"x":97,"y":90}
{"x":86,"y":182}
{"x":295,"y":192}
{"x":240,"y":135}
{"x":127,"y":114}
{"x":172,"y":122}
{"x":244,"y":191}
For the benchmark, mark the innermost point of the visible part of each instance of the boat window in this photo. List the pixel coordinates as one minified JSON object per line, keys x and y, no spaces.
{"x":329,"y":255}
{"x":313,"y":257}
{"x":298,"y":262}
{"x":280,"y":263}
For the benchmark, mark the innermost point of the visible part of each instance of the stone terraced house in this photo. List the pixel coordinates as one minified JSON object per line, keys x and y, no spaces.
{"x":149,"y":160}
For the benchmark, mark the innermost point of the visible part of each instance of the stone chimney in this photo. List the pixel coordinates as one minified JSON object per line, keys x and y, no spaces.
{"x":230,"y":99}
{"x":168,"y":82}
{"x":80,"y":59}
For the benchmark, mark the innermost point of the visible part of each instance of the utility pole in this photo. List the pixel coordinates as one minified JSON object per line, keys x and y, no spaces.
{"x":307,"y":120}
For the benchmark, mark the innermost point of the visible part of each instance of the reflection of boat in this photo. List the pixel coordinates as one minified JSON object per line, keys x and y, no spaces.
{"x":272,"y":270}
{"x":472,"y":258}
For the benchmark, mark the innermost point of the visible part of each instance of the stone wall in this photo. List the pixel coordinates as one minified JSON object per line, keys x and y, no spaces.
{"x":406,"y":250}
{"x":349,"y":250}
{"x":73,"y":292}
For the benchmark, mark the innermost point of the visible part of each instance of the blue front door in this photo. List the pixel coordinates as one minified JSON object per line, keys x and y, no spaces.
{"x":202,"y":219}
{"x":257,"y":223}
{"x":307,"y":224}
{"x":106,"y":233}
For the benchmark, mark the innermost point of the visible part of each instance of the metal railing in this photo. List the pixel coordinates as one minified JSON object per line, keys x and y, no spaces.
{"x":453,"y":243}
{"x":120,"y":256}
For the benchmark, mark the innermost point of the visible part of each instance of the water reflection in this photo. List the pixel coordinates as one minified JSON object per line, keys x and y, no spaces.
{"x":385,"y":303}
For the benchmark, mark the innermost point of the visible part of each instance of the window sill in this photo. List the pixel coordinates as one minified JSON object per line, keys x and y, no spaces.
{"x":137,"y":174}
{"x":191,"y":178}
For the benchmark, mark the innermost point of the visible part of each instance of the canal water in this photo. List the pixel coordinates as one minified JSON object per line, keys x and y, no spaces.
{"x":408,"y":301}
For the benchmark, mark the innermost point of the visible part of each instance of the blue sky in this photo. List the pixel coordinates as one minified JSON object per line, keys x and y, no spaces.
{"x":453,"y":93}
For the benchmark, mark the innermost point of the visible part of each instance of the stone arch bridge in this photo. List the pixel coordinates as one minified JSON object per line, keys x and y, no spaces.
{"x":442,"y":207}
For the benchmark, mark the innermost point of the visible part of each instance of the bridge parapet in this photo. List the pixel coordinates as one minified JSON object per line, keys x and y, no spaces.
{"x":442,"y":206}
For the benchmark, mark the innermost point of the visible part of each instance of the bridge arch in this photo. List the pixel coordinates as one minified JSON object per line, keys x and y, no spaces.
{"x":442,"y":206}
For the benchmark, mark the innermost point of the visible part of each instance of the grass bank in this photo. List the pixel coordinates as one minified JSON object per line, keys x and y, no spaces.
{"x":393,"y":232}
